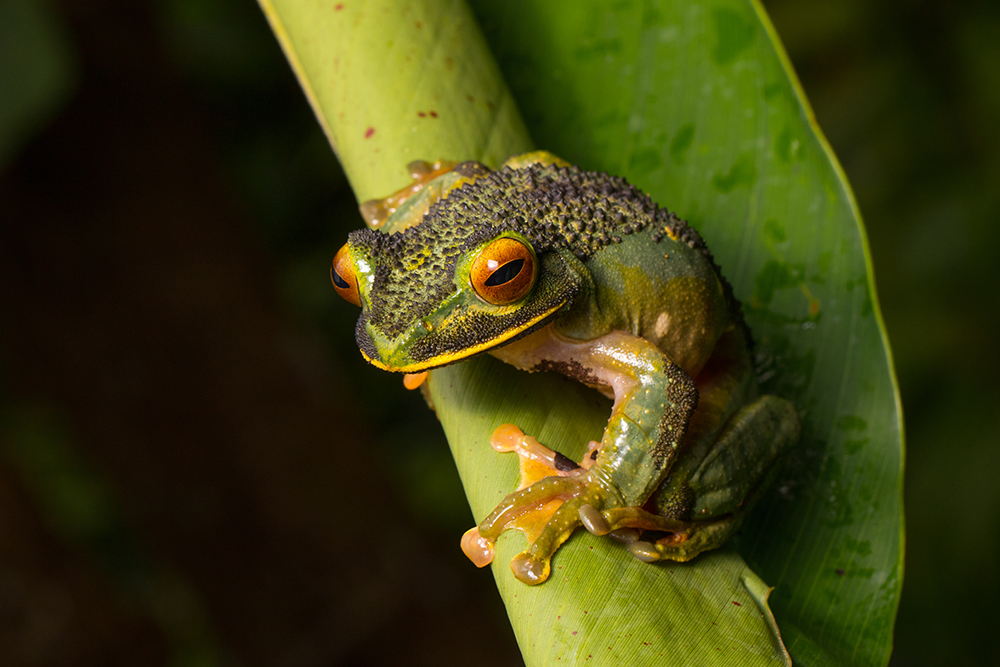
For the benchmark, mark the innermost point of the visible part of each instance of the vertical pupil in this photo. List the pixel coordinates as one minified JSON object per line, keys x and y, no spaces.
{"x":340,"y":282}
{"x":505,"y":273}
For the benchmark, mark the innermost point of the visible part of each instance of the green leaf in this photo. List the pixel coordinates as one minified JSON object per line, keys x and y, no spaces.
{"x":695,"y":103}
{"x":698,"y":106}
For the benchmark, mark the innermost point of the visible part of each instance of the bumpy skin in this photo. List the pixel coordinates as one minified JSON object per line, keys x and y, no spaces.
{"x":628,"y":300}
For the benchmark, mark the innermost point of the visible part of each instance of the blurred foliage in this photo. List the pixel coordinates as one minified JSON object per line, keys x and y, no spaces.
{"x":906,"y":94}
{"x":37,"y":71}
{"x":77,"y":504}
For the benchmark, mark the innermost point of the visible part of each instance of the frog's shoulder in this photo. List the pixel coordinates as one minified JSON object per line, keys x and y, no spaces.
{"x":681,"y":231}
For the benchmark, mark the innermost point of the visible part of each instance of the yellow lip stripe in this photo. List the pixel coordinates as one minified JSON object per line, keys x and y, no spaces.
{"x":445,"y":359}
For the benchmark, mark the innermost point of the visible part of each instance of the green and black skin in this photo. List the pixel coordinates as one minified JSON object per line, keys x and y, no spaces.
{"x":559,"y":209}
{"x":613,"y":266}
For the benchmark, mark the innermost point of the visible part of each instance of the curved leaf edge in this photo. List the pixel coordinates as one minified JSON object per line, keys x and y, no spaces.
{"x":848,"y":194}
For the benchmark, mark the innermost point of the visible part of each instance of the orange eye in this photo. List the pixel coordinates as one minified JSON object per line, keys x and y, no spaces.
{"x":504,"y":271}
{"x":342,"y":275}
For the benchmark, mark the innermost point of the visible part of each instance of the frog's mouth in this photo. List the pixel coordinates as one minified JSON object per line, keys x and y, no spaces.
{"x":420,"y":350}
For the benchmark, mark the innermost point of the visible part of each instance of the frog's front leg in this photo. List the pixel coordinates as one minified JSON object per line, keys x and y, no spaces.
{"x":654,"y":401}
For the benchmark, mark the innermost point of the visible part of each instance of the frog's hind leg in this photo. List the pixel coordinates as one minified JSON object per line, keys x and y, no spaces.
{"x":698,"y":506}
{"x":681,"y":540}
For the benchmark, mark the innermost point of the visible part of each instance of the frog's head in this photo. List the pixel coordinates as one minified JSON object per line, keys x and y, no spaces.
{"x":462,"y":282}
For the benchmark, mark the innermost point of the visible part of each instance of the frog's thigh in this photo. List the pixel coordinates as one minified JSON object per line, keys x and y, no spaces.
{"x":740,"y":458}
{"x":711,"y":491}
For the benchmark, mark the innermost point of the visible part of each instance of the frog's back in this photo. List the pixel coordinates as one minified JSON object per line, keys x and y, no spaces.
{"x":652,"y":274}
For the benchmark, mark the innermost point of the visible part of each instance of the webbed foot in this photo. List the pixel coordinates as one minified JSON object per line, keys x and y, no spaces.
{"x":377,"y":211}
{"x":555,"y":496}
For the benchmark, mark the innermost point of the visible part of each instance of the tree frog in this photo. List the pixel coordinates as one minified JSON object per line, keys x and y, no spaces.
{"x":552,"y":268}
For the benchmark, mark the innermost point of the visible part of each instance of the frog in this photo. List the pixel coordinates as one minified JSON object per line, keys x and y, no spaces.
{"x":549,"y":267}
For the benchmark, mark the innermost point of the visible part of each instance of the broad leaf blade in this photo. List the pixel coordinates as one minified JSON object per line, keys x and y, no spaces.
{"x":695,"y":103}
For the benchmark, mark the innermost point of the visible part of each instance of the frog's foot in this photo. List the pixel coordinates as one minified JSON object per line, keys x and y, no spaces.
{"x":547,"y":512}
{"x":676,"y":540}
{"x":377,"y":211}
{"x":536,"y":460}
{"x":554,"y":497}
{"x":414,"y":380}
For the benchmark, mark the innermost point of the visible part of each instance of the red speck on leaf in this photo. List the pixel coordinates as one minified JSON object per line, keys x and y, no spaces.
{"x":645,"y":643}
{"x":574,"y":632}
{"x":422,"y":114}
{"x":737,"y":603}
{"x":369,"y":132}
{"x":419,"y":25}
{"x":434,"y":114}
{"x":338,"y":7}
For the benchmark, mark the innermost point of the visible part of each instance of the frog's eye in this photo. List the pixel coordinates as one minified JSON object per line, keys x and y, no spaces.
{"x":342,"y":275}
{"x":504,"y":271}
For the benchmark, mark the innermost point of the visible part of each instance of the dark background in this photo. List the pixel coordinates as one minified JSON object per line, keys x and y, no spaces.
{"x":196,"y":466}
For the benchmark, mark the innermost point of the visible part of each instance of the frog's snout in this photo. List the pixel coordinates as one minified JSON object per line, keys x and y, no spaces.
{"x":393,"y":354}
